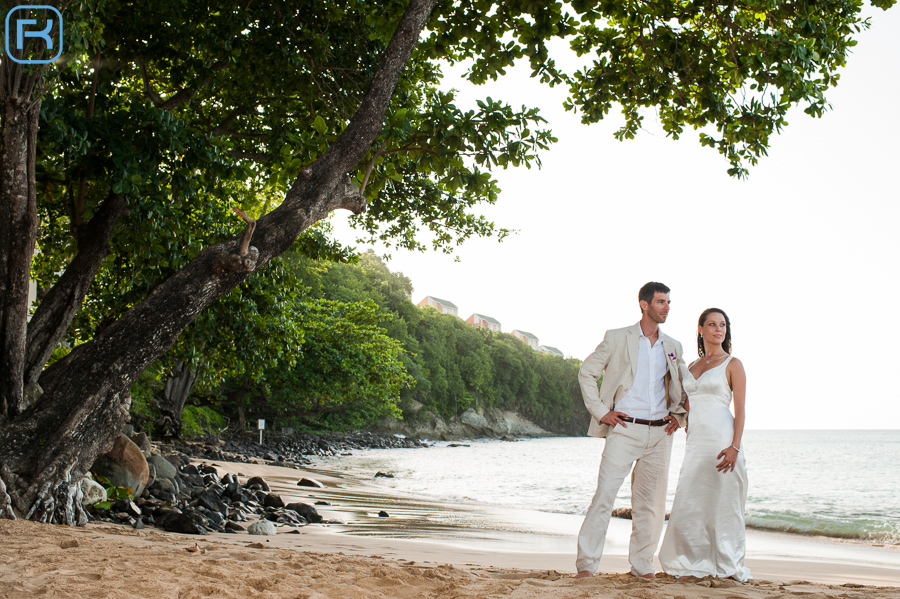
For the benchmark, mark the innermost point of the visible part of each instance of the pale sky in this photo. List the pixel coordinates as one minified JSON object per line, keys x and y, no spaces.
{"x":803,"y":256}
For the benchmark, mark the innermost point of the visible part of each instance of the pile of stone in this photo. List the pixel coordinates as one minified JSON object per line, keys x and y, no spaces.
{"x":176,"y":495}
{"x":287,"y":450}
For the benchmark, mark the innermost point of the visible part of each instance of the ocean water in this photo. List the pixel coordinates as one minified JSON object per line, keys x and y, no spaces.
{"x":842,"y":484}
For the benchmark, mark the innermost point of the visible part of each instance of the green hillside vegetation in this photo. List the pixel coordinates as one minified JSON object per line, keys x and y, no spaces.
{"x":361,"y":352}
{"x":456,"y":366}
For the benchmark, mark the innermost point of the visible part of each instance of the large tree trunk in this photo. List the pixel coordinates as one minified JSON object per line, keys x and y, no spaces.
{"x":46,"y":448}
{"x":18,"y":230}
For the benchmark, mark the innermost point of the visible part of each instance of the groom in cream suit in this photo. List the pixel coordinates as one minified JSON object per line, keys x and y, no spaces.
{"x":639,"y":405}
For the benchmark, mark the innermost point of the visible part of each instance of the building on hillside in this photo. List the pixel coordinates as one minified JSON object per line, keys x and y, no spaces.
{"x":551,"y":350}
{"x":442,"y":306}
{"x":528,"y":338}
{"x":480,"y":320}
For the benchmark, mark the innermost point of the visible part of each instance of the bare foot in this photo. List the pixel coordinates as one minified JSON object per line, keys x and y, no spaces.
{"x":683,"y":578}
{"x":649,"y":576}
{"x":584,"y":574}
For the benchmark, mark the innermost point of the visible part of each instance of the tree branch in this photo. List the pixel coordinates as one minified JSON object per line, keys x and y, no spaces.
{"x":63,"y":300}
{"x":346,"y":152}
{"x":222,"y":128}
{"x":107,"y":365}
{"x":180,"y":97}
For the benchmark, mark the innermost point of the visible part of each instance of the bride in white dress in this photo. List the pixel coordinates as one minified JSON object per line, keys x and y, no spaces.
{"x":705,"y":535}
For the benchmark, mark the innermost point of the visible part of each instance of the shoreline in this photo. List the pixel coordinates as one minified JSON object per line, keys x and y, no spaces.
{"x":492,"y":536}
{"x":356,"y":560}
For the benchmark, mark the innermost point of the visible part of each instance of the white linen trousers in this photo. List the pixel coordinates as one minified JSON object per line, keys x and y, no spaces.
{"x":649,"y":449}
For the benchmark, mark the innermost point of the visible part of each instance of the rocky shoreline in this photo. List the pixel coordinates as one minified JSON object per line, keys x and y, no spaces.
{"x":174,"y":493}
{"x":471,"y":424}
{"x":288,"y":450}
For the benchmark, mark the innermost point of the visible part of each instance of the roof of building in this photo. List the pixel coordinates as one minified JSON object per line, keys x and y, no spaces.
{"x":488,"y":319}
{"x":552,"y":350}
{"x":443,"y":302}
{"x":524,"y":334}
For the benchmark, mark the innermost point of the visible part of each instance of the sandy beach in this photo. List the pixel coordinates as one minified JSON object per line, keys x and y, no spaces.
{"x":326,"y":561}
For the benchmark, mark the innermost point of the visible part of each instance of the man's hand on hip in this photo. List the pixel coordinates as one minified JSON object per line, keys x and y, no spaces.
{"x":673,"y":424}
{"x":614,"y":418}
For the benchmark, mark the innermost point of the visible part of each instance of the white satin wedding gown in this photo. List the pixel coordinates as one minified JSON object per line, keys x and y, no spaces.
{"x":705,"y":535}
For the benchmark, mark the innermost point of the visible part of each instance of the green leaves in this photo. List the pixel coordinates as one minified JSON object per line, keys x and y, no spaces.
{"x":319,"y":125}
{"x":736,"y":69}
{"x":430,"y":168}
{"x":113,"y":493}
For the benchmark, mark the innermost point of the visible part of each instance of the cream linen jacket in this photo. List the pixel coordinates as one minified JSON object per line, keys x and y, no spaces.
{"x":616,"y":356}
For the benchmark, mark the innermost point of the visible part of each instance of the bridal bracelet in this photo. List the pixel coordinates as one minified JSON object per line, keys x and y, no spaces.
{"x":737,"y":449}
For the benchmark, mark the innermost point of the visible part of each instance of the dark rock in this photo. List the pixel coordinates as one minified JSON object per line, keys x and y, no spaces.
{"x":190,"y":469}
{"x":234,"y":491}
{"x":142,"y":441}
{"x":127,"y":506}
{"x":322,"y":503}
{"x":239,"y":514}
{"x":272,"y":500}
{"x":258,"y":480}
{"x":215,"y":518}
{"x":457,"y":445}
{"x":308,"y":482}
{"x":383,"y":514}
{"x":211,"y":501}
{"x":285,"y":517}
{"x":138,"y":524}
{"x":194,"y":480}
{"x":162,"y":485}
{"x":165,"y":496}
{"x":164,"y":468}
{"x":180,"y":523}
{"x":383,"y":475}
{"x":234,"y":526}
{"x":308,"y":512}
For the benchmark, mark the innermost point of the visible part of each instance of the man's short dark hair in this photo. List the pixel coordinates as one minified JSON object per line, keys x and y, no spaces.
{"x":649,"y":291}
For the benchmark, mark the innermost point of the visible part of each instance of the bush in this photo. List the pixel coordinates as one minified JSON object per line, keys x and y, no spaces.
{"x":201,"y":421}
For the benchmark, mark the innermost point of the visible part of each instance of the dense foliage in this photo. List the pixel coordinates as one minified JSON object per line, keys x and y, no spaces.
{"x":454,"y":365}
{"x":362,"y":352}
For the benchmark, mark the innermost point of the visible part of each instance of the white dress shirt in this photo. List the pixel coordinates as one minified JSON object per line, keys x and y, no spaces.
{"x":646,"y":398}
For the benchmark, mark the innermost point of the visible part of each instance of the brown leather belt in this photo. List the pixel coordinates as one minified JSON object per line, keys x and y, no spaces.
{"x":660,"y":422}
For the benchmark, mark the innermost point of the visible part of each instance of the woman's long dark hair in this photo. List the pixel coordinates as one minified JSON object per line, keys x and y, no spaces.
{"x":726,"y":343}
